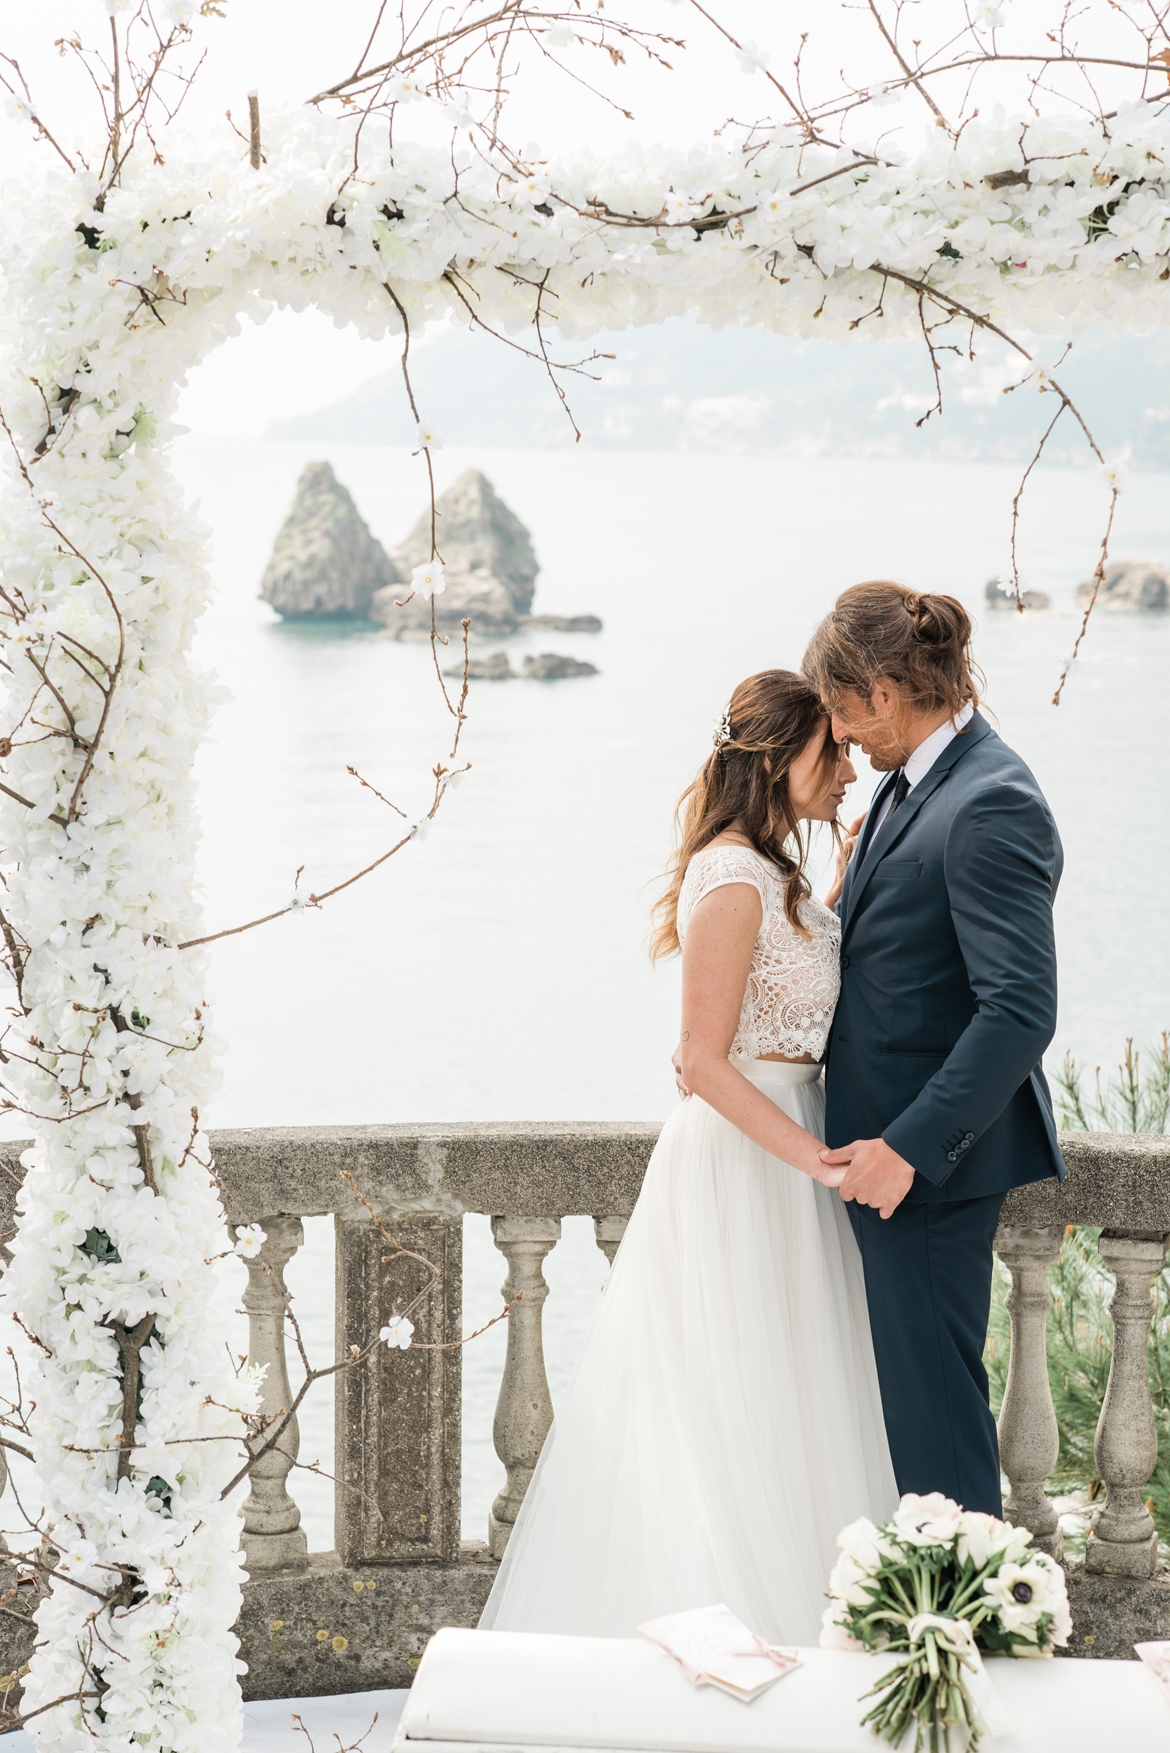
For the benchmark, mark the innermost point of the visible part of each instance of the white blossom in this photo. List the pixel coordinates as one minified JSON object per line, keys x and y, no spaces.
{"x":1113,"y":473}
{"x":398,"y":1334}
{"x":753,"y":57}
{"x":429,"y":579}
{"x":932,"y":1520}
{"x":250,"y":1238}
{"x":560,"y":36}
{"x":982,"y":1536}
{"x":76,"y":1557}
{"x":988,"y":16}
{"x":860,"y":1542}
{"x":533,"y":189}
{"x":428,"y":436}
{"x":1023,"y":1593}
{"x":405,"y":90}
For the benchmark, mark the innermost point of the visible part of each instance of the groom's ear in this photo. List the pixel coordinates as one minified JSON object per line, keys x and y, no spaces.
{"x":884,"y":698}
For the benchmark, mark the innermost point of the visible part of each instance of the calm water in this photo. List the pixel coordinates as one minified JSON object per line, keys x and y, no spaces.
{"x":499,"y":970}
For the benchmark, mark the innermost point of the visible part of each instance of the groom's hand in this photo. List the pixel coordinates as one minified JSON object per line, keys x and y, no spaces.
{"x":874,"y":1174}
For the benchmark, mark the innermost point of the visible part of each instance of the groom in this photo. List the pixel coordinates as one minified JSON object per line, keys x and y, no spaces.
{"x":937,"y":1103}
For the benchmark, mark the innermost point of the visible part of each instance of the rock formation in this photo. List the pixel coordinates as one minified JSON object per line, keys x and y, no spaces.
{"x":550,"y":666}
{"x":495,"y":668}
{"x":489,"y":564}
{"x":325,"y":564}
{"x":1130,"y":586}
{"x":563,"y":623}
{"x":997,"y":598}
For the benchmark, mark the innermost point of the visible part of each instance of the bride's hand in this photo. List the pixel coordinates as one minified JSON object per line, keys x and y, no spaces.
{"x":844,"y":854}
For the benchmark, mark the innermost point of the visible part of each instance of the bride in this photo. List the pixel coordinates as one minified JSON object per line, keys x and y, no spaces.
{"x":723,"y":1423}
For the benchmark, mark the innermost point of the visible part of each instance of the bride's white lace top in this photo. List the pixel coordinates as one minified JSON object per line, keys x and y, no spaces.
{"x":794,"y":981}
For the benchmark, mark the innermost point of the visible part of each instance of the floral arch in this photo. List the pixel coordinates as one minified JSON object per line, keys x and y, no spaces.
{"x":1043,"y":228}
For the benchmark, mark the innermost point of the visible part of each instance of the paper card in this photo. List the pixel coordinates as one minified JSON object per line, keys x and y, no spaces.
{"x":714,"y":1648}
{"x":1156,"y":1657}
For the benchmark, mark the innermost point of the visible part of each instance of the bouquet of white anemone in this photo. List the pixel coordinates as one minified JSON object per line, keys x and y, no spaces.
{"x":935,"y":1586}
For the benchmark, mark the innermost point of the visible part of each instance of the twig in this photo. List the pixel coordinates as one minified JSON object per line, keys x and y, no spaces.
{"x":254,"y":129}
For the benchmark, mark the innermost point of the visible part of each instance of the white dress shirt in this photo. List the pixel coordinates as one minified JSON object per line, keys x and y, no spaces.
{"x":918,"y":764}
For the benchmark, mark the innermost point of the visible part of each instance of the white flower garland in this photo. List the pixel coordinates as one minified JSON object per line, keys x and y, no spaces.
{"x":107,"y":310}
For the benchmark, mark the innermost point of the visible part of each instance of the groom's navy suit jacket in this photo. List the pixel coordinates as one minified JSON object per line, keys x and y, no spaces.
{"x":948,"y":977}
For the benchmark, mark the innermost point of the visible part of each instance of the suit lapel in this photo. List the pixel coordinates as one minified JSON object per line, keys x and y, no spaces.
{"x":862,"y":849}
{"x":895,"y":825}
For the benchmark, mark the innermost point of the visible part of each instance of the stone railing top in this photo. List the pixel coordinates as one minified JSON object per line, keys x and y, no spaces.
{"x":561,"y":1168}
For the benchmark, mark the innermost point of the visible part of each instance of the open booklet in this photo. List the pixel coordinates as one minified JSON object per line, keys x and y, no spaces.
{"x":714,"y":1648}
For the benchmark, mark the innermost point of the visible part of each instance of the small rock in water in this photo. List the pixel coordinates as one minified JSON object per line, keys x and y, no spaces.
{"x":495,"y":668}
{"x":550,"y":666}
{"x":1130,"y":586}
{"x":563,"y":623}
{"x":325,"y":565}
{"x":998,"y":598}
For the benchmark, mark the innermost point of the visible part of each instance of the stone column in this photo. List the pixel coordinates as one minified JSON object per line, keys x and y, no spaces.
{"x":524,"y":1409}
{"x":608,"y":1232}
{"x":273,"y":1536}
{"x":397,"y":1415}
{"x":1029,"y":1440}
{"x":1122,"y":1539}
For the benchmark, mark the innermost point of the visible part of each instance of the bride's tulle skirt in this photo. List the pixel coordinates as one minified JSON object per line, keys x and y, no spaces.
{"x":724,"y":1423}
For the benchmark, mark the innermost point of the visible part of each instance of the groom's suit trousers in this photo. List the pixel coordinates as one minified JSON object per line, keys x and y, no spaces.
{"x":928,"y":1272}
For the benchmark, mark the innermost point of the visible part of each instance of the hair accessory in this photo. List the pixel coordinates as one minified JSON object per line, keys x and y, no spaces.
{"x":723,"y":732}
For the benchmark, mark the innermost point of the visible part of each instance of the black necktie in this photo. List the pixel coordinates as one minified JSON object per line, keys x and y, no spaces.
{"x":901,"y":788}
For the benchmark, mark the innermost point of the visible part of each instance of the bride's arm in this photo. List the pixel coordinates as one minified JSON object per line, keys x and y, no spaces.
{"x":717,"y":957}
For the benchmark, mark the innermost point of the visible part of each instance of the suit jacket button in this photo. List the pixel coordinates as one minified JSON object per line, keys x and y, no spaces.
{"x":969,"y":1138}
{"x":952,"y":1156}
{"x":844,"y":961}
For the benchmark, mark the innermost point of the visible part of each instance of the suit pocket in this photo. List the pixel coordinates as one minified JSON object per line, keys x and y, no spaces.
{"x":898,"y":869}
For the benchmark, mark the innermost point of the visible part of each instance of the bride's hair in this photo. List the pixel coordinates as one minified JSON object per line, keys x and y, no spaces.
{"x":771,"y":719}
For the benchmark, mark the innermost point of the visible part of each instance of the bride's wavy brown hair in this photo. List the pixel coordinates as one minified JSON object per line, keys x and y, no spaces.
{"x":771,"y":719}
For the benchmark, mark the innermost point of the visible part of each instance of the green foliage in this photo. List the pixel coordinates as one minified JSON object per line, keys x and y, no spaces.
{"x":1080,"y":1332}
{"x":1133,"y":1101}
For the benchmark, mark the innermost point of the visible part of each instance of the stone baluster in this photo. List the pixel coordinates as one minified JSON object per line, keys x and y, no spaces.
{"x":1122,"y":1540}
{"x":1029,"y":1440}
{"x":273,"y":1536}
{"x":524,"y":1409}
{"x":608,"y":1232}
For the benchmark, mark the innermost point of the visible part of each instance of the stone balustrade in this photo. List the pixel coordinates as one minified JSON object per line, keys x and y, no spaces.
{"x":359,"y":1617}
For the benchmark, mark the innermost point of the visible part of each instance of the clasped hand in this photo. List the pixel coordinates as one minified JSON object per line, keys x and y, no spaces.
{"x":867,"y":1171}
{"x":874,"y":1174}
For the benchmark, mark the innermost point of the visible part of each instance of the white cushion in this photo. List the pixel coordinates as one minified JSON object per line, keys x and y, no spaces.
{"x":488,"y":1689}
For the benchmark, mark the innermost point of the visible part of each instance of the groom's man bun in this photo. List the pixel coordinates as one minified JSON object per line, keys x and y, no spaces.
{"x":919,"y":639}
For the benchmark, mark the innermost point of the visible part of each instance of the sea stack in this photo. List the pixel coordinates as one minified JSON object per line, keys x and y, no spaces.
{"x":490,"y":566}
{"x":1130,"y":587}
{"x":325,"y":565}
{"x":998,"y":598}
